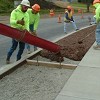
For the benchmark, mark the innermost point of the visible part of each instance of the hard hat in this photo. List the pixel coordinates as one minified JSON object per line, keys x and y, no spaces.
{"x":96,"y":1}
{"x":36,"y":7}
{"x":25,"y":2}
{"x":69,"y":7}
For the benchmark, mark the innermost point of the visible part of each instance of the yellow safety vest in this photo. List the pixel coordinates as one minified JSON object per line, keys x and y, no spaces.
{"x":69,"y":15}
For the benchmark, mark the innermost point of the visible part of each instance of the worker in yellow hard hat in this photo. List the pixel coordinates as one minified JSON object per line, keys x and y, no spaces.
{"x":68,"y":18}
{"x":34,"y":18}
{"x":96,"y":4}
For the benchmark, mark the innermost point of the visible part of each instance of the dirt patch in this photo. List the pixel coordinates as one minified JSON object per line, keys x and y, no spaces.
{"x":73,"y":46}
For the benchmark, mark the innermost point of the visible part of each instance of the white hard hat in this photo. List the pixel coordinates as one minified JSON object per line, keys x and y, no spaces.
{"x":25,"y":2}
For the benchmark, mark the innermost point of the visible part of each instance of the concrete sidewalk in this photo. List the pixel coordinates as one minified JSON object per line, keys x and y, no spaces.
{"x":84,"y":83}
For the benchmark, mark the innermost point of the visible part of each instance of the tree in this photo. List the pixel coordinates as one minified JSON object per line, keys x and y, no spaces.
{"x":87,"y":2}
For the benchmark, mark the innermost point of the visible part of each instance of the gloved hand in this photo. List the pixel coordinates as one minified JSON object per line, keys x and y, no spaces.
{"x":33,"y":33}
{"x":72,"y":21}
{"x":21,"y":22}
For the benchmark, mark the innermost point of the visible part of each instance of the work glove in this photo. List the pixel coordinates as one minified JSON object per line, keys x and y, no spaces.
{"x":71,"y":21}
{"x":21,"y":22}
{"x":33,"y":33}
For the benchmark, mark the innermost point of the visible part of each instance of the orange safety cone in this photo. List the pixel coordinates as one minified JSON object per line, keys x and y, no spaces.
{"x":51,"y":13}
{"x":59,"y":19}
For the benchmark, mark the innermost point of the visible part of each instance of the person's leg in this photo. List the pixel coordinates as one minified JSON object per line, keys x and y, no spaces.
{"x":21,"y":49}
{"x":28,"y":46}
{"x":97,"y":36}
{"x":74,"y":25}
{"x":94,"y":21}
{"x":13,"y":47}
{"x":35,"y":48}
{"x":32,"y":30}
{"x":65,"y":27}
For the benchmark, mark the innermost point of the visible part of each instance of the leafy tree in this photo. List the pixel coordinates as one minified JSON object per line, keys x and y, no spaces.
{"x":87,"y":2}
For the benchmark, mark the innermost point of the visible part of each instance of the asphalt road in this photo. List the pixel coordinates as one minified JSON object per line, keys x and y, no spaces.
{"x":48,"y":29}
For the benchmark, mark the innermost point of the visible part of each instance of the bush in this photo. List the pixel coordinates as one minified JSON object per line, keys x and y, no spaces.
{"x":6,"y":6}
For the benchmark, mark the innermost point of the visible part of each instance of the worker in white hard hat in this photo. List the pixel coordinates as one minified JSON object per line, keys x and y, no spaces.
{"x":19,"y":19}
{"x":34,"y":18}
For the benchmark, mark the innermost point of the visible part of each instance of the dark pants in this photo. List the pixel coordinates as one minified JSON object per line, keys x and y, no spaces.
{"x":31,"y":26}
{"x":13,"y":48}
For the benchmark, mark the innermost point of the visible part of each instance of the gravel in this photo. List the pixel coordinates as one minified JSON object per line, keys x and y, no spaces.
{"x":33,"y":83}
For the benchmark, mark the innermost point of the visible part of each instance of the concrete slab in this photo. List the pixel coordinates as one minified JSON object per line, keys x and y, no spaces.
{"x":84,"y":83}
{"x":8,"y":67}
{"x":91,"y":59}
{"x":63,"y":97}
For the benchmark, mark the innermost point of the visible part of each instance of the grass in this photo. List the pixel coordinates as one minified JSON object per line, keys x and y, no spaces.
{"x":80,"y":5}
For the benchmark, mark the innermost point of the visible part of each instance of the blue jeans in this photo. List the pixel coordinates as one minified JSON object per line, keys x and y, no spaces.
{"x":97,"y":34}
{"x":94,"y":21}
{"x":13,"y":48}
{"x":72,"y":22}
{"x":27,"y":45}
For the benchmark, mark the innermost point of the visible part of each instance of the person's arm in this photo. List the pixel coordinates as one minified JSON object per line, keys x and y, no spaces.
{"x":36,"y":23}
{"x":13,"y":18}
{"x":72,"y":19}
{"x":27,"y":22}
{"x":67,"y":16}
{"x":97,"y":16}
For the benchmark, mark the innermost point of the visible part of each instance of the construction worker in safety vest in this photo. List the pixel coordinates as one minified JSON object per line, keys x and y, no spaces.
{"x":96,"y":4}
{"x":68,"y":18}
{"x":19,"y":19}
{"x":34,"y":18}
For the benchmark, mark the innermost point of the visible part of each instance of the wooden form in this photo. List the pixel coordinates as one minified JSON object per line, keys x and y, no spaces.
{"x":51,"y":64}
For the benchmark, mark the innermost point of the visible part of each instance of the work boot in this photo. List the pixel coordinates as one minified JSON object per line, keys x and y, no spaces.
{"x":65,"y":32}
{"x":97,"y":47}
{"x":77,"y":29}
{"x":29,"y":51}
{"x":7,"y":61}
{"x":35,"y":48}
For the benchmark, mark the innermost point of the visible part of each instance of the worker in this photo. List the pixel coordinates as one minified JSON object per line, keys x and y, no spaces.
{"x":68,"y":18}
{"x":34,"y":18}
{"x":19,"y":19}
{"x":96,"y":4}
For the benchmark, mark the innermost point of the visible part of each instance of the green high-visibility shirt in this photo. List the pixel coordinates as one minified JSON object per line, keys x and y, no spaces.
{"x":33,"y":19}
{"x":97,"y":12}
{"x":16,"y":15}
